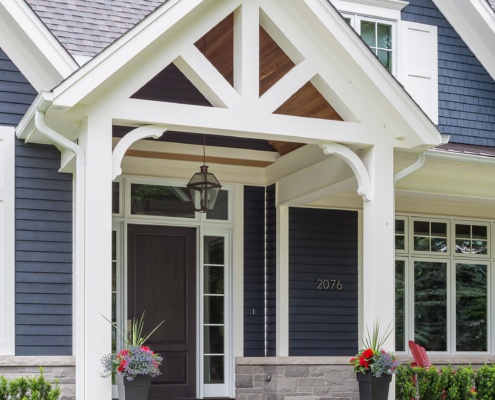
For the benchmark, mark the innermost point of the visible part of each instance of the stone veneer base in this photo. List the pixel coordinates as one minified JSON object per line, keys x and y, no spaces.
{"x":62,"y":368}
{"x":314,"y":378}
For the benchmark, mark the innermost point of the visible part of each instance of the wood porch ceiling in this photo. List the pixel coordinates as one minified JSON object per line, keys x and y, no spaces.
{"x":171,"y":85}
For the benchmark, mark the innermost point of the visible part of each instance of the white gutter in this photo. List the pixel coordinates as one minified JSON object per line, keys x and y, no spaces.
{"x":79,"y":270}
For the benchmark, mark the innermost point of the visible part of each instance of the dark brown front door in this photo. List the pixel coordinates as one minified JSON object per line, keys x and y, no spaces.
{"x":162,"y":283}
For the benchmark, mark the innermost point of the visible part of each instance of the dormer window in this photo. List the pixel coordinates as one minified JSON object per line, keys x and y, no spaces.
{"x":378,"y":35}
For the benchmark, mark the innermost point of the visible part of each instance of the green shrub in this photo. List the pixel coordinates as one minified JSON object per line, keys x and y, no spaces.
{"x":485,"y":383}
{"x":36,"y":388}
{"x":445,"y":384}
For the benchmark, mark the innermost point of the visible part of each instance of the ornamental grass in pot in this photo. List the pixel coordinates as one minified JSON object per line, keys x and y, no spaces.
{"x":374,"y":366}
{"x":135,"y":364}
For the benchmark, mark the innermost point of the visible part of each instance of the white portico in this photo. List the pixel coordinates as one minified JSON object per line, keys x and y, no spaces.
{"x":343,"y":142}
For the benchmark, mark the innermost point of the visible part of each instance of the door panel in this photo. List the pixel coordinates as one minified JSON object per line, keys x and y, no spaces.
{"x":162,"y":283}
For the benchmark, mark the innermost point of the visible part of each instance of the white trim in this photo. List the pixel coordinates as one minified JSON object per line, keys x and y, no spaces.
{"x":474,"y":21}
{"x":7,"y":245}
{"x":32,"y":47}
{"x":356,"y":164}
{"x":150,"y":131}
{"x":282,"y":273}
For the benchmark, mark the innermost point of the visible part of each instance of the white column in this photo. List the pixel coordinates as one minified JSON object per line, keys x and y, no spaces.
{"x":282,"y":286}
{"x":378,"y":302}
{"x":95,"y":284}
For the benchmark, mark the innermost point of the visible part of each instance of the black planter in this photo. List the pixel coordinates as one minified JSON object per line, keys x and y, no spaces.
{"x":373,"y":388}
{"x":137,"y":389}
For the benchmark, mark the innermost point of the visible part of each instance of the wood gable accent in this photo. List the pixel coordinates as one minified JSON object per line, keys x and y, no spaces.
{"x":217,"y":45}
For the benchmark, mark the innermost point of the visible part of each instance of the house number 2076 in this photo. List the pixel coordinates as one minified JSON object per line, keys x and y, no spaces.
{"x":329,"y":284}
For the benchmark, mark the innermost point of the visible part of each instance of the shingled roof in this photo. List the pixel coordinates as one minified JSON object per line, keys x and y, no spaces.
{"x":86,"y":27}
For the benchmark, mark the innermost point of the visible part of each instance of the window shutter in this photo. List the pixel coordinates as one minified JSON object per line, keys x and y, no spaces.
{"x":7,"y":209}
{"x":418,"y":65}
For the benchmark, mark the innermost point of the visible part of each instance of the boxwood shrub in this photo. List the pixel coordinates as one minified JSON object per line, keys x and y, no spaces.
{"x":447,"y":383}
{"x":23,"y":388}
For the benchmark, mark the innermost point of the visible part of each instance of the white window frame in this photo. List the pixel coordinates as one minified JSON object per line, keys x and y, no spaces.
{"x":420,"y":253}
{"x":453,"y":306}
{"x":356,"y":20}
{"x":448,"y":300}
{"x":452,"y":260}
{"x":7,"y":241}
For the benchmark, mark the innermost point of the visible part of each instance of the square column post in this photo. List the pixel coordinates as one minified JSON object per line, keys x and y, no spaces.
{"x":378,"y":302}
{"x":282,"y":297}
{"x":93,"y":288}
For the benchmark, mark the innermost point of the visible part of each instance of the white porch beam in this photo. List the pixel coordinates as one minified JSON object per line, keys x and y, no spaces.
{"x":206,"y":78}
{"x":96,"y":140}
{"x":247,"y":52}
{"x":240,"y":123}
{"x":313,"y":183}
{"x":289,"y":84}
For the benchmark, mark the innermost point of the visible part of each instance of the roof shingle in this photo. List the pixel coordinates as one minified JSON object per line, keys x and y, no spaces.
{"x":86,"y":27}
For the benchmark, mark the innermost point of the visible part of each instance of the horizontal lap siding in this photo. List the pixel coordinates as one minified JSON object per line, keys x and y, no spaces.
{"x":466,"y":92}
{"x":43,"y":252}
{"x":43,"y":231}
{"x":323,"y":244}
{"x":271,"y":267}
{"x":254,"y":271}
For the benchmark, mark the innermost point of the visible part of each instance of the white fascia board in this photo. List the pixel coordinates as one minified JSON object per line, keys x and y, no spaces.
{"x":387,"y":9}
{"x":388,"y":105}
{"x":26,"y":128}
{"x":474,"y":21}
{"x":97,"y":71}
{"x":32,"y":47}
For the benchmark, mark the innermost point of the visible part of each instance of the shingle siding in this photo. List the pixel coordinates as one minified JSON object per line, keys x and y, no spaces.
{"x":466,"y":91}
{"x":43,"y":231}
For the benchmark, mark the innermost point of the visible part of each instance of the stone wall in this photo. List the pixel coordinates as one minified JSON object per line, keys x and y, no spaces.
{"x":55,"y":367}
{"x":292,"y":378}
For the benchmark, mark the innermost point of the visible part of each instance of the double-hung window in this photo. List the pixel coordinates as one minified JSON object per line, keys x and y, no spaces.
{"x":443,"y":271}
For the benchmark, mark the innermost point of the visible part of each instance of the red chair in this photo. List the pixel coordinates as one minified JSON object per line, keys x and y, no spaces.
{"x":419,"y":355}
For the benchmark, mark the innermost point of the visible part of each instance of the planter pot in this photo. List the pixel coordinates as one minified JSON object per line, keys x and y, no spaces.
{"x":373,"y":388}
{"x":137,"y":389}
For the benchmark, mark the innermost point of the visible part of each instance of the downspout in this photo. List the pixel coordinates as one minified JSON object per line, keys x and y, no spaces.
{"x":412,"y":168}
{"x":79,"y":270}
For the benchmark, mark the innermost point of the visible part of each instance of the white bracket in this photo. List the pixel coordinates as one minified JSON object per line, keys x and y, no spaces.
{"x":356,"y":164}
{"x":148,"y":131}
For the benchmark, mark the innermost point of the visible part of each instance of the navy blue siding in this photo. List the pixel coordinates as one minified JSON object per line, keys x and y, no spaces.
{"x":43,"y":235}
{"x":271,"y":271}
{"x":466,"y":91}
{"x":323,"y":244}
{"x":43,"y":252}
{"x":254,"y":271}
{"x":16,"y":93}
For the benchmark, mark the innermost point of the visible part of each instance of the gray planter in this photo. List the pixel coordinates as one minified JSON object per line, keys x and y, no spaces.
{"x":137,"y":389}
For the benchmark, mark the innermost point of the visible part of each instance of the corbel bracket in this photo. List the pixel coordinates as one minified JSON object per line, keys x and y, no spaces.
{"x":148,"y":131}
{"x":356,"y":164}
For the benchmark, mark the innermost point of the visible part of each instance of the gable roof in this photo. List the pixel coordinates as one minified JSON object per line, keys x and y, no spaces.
{"x":85,"y":27}
{"x":474,"y":21}
{"x":313,"y":31}
{"x":32,"y":47}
